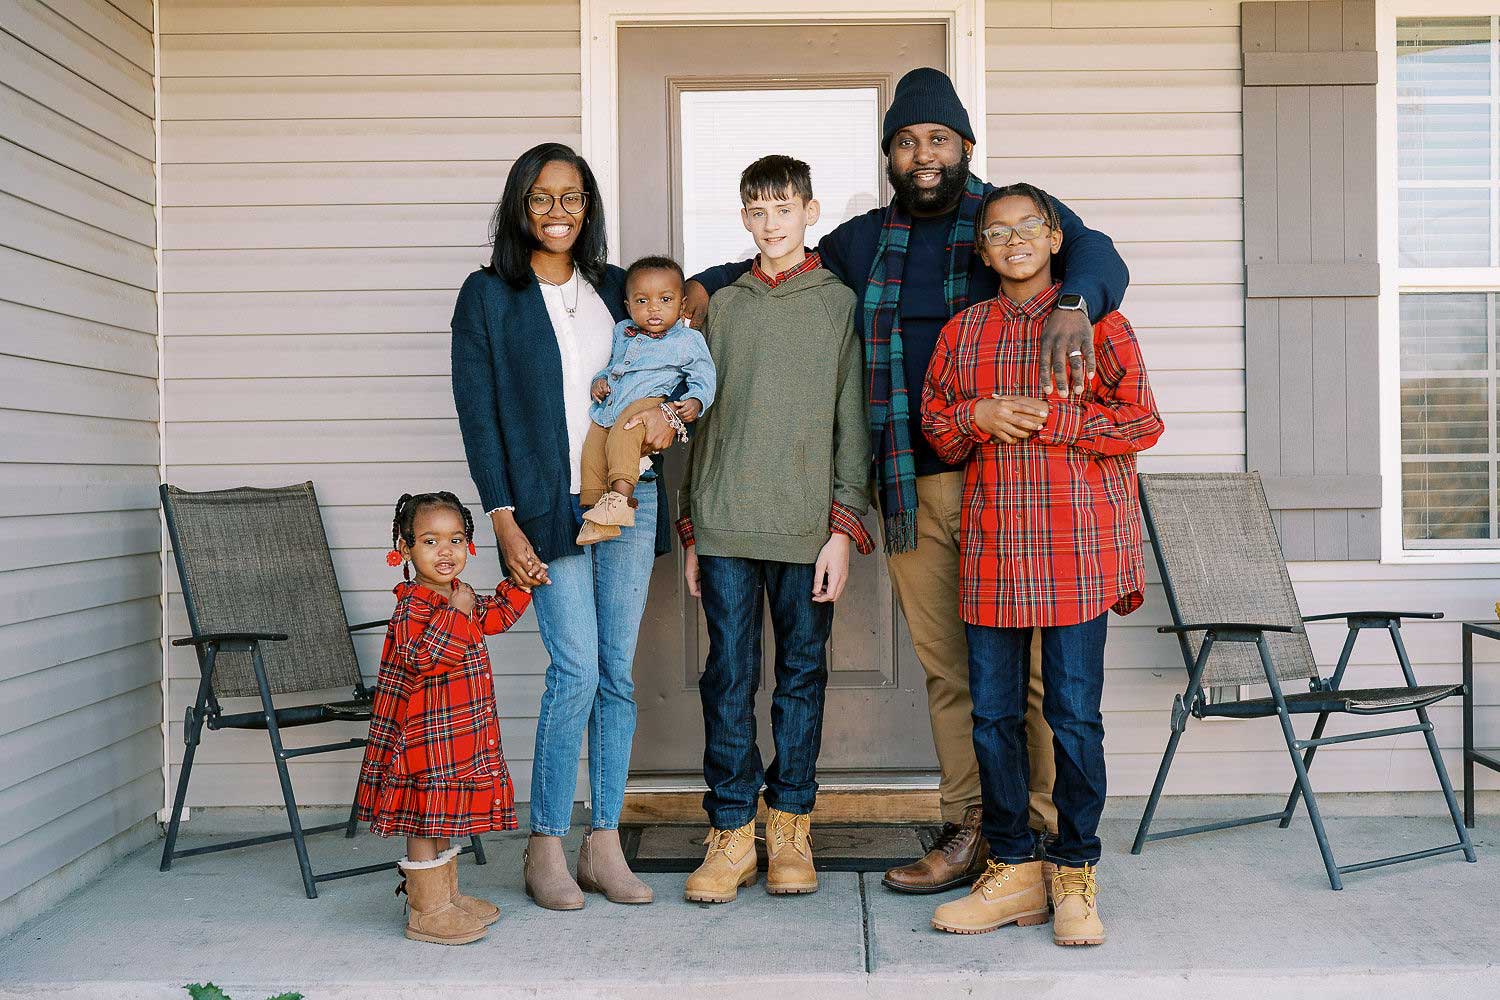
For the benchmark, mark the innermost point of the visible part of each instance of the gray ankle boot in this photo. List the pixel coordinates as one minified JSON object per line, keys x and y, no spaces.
{"x":546,"y":871}
{"x":602,"y":868}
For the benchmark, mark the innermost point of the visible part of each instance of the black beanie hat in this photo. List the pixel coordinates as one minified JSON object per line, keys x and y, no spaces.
{"x":925,"y":96}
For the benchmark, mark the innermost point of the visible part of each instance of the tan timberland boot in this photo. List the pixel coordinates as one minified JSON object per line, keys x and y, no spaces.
{"x":1077,"y":918}
{"x":481,"y":910}
{"x":1004,"y":894}
{"x":430,"y":912}
{"x":789,"y":857}
{"x":729,"y":866}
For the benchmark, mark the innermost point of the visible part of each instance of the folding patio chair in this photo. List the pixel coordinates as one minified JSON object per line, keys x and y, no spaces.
{"x":267,"y":620}
{"x":1227,"y":585}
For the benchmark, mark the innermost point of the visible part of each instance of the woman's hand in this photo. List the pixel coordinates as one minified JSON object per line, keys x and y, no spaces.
{"x":690,"y":570}
{"x":462,"y":598}
{"x":659,"y":433}
{"x":1012,"y":419}
{"x":599,"y":390}
{"x":694,"y":304}
{"x":688,"y":410}
{"x":521,"y":563}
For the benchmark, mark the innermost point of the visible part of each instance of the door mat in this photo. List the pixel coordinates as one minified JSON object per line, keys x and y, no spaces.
{"x":844,"y":847}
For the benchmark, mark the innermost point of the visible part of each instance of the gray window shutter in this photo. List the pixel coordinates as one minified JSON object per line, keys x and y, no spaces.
{"x":1311,"y":274}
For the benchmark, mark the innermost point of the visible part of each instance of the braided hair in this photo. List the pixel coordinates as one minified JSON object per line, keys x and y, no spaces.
{"x":403,"y":524}
{"x":1043,"y":201}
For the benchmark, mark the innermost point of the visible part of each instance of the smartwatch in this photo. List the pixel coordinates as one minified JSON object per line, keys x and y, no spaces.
{"x":1074,"y":302}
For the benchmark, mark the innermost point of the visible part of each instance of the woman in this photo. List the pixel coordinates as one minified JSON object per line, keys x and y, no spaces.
{"x":529,"y":332}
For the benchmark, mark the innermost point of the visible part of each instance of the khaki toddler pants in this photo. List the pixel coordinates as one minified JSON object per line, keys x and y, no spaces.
{"x":611,"y":453}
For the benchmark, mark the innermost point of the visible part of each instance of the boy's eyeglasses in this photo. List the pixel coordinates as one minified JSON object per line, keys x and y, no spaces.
{"x":574,"y":202}
{"x":1028,"y":229}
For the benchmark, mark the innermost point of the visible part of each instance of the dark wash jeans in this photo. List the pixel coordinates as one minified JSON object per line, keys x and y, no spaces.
{"x":732,"y":766}
{"x":1073,"y":678}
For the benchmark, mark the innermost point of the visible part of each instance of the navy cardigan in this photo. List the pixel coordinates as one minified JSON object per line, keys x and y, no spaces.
{"x":507,"y":387}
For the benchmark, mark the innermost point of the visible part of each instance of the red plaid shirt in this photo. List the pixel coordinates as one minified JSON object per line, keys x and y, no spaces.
{"x":809,"y":262}
{"x":1050,"y":527}
{"x":434,"y":766}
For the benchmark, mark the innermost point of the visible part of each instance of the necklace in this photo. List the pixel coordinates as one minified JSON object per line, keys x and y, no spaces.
{"x":563,"y":291}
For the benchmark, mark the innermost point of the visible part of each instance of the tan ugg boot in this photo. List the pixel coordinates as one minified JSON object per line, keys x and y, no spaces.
{"x":613,"y":508}
{"x":481,"y":910}
{"x":545,"y":870}
{"x":789,"y":857}
{"x":430,"y":912}
{"x":602,"y":868}
{"x":1004,"y":894}
{"x":729,"y":865}
{"x":1077,"y":918}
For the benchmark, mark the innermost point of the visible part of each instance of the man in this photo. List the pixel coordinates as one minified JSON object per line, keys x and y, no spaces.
{"x":912,"y":266}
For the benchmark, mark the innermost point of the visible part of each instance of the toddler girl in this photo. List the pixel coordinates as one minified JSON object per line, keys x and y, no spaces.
{"x":433,"y":765}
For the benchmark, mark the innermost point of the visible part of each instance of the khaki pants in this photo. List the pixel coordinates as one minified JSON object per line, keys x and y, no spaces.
{"x":611,"y":453}
{"x":926,"y":584}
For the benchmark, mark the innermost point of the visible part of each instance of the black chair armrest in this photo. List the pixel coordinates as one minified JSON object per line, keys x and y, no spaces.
{"x":368,"y":625}
{"x":213,"y":637}
{"x":1226,"y":627}
{"x":1373,"y":619}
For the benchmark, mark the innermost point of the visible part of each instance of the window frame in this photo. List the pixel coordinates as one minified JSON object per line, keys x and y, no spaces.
{"x":1394,"y":279}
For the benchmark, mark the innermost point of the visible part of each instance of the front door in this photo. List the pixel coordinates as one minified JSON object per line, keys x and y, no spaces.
{"x":698,"y":104}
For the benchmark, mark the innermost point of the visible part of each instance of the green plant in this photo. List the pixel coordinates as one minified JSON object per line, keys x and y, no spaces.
{"x":208,"y":991}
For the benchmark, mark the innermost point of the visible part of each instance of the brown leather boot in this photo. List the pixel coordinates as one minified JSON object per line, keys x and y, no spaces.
{"x":1077,"y":918}
{"x":545,"y":869}
{"x":481,"y":910}
{"x":729,"y":866}
{"x":602,"y":868}
{"x":789,"y":858}
{"x":1004,"y":894}
{"x":957,"y":858}
{"x":431,"y":915}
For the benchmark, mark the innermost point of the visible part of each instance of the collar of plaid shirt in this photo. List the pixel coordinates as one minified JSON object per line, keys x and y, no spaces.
{"x":634,"y":331}
{"x":1036,"y":307}
{"x":809,"y":262}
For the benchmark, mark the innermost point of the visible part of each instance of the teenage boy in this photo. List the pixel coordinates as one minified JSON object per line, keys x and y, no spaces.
{"x":912,"y":266}
{"x":776,"y":482}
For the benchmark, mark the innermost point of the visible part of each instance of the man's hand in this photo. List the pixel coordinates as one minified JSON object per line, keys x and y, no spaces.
{"x":831,"y":572}
{"x":690,"y":570}
{"x":1067,"y":352}
{"x":694,"y":304}
{"x":520,"y":560}
{"x":462,"y":598}
{"x":659,"y":433}
{"x":688,"y":409}
{"x":1012,"y":419}
{"x":600,"y":390}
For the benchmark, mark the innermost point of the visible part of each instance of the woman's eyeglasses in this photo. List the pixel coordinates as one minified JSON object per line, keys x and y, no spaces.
{"x":1027,"y":229}
{"x":574,"y":202}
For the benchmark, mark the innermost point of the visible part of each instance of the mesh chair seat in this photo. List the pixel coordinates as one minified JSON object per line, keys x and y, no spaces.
{"x":1366,"y":701}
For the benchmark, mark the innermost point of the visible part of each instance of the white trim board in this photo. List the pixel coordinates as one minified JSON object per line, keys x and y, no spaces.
{"x":602,"y":19}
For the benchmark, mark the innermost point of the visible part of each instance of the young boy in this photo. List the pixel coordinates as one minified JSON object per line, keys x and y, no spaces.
{"x":654,"y":353}
{"x":1052,"y":539}
{"x":777,"y":480}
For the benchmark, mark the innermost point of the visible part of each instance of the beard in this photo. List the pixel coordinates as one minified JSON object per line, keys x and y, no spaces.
{"x":918,"y":199}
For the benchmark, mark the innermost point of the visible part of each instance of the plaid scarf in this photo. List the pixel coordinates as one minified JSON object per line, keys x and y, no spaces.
{"x":885,"y":374}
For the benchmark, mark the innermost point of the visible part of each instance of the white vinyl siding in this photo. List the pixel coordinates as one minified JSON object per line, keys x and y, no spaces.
{"x":80,"y":571}
{"x":1130,"y":112}
{"x":329,"y":171}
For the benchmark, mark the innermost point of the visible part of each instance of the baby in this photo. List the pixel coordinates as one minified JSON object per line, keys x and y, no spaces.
{"x":653,"y":353}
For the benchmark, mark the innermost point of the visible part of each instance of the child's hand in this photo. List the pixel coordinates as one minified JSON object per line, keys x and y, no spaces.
{"x":831,"y":572}
{"x":600,"y":390}
{"x":462,"y":598}
{"x":1012,"y":419}
{"x":690,"y":570}
{"x":688,"y":409}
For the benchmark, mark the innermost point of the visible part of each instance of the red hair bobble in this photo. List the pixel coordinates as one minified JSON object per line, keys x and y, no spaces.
{"x":393,"y":558}
{"x":472,"y":550}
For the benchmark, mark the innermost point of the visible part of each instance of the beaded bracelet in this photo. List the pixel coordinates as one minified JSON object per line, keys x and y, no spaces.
{"x":675,"y":421}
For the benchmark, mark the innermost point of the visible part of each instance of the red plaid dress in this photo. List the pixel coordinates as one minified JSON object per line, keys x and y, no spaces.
{"x":1050,"y":528}
{"x":434,"y":766}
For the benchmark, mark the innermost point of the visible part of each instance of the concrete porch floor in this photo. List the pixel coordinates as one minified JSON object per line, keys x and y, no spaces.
{"x":1241,"y":913}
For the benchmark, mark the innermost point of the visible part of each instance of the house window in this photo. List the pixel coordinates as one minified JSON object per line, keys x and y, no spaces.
{"x":1448,"y":250}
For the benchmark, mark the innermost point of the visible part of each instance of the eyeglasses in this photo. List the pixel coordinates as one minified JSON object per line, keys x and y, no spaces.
{"x":1028,"y":229}
{"x":540,"y":203}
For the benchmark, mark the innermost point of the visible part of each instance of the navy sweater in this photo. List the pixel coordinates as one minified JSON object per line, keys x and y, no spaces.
{"x":1087,"y":265}
{"x":507,"y":387}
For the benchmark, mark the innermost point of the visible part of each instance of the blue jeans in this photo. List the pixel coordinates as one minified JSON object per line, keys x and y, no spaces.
{"x":732,"y":767}
{"x":590,"y":617}
{"x":1073,"y":681}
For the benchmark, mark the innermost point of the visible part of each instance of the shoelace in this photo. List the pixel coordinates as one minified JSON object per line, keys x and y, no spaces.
{"x":779,"y":823}
{"x":1076,"y":882}
{"x":995,"y":872}
{"x":947,"y":837}
{"x":720,"y":842}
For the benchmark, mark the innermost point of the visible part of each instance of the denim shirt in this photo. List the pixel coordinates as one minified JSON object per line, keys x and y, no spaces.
{"x":642,"y":366}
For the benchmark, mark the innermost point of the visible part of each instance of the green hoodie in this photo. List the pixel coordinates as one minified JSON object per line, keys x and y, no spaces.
{"x":787,"y":434}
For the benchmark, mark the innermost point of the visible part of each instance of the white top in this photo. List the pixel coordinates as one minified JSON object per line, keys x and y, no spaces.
{"x":584,"y":341}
